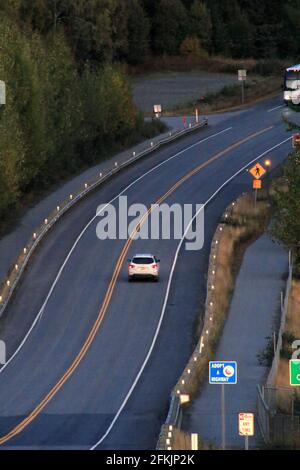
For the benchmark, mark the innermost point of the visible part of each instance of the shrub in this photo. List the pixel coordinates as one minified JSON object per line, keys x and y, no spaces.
{"x":191,"y":46}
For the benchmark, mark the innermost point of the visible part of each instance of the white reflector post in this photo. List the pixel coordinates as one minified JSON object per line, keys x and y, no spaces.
{"x":194,"y":441}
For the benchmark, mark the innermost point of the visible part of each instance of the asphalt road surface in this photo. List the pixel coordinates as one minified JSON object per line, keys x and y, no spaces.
{"x":98,"y":366}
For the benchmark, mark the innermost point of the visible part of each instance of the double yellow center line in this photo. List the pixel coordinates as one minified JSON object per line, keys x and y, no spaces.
{"x":108,"y":295}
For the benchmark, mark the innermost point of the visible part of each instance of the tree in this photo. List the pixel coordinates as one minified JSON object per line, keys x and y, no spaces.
{"x":289,"y":45}
{"x":201,"y":24}
{"x":220,"y":36}
{"x":240,"y":34}
{"x":266,"y":18}
{"x":171,"y":26}
{"x":138,"y":33}
{"x":191,"y":46}
{"x":286,"y":227}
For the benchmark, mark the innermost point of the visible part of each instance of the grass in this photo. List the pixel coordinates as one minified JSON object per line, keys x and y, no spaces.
{"x":243,"y":226}
{"x":264,"y":80}
{"x":286,"y":394}
{"x":265,"y":357}
{"x":292,"y":332}
{"x":230,"y":97}
{"x":216,"y":64}
{"x":180,"y":440}
{"x":174,"y":89}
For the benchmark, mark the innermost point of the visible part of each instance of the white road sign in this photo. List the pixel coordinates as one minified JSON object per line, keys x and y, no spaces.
{"x":242,"y":75}
{"x":246,"y":424}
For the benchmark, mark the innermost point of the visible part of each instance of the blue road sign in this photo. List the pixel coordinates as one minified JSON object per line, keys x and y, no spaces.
{"x":222,"y":372}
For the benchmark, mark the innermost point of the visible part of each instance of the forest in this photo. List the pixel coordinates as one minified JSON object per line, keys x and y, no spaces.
{"x":129,"y":30}
{"x":68,"y":101}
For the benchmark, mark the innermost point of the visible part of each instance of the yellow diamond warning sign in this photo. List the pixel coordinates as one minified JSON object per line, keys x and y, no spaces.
{"x":257,"y":171}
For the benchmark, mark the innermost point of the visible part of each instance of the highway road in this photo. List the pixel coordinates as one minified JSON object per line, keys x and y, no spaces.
{"x":92,"y":358}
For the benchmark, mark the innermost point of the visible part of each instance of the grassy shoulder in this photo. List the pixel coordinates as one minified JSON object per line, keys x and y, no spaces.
{"x":214,"y":64}
{"x":291,"y":333}
{"x":219,"y":90}
{"x":230,"y":97}
{"x":242,"y":224}
{"x":285,"y":199}
{"x":179,"y":439}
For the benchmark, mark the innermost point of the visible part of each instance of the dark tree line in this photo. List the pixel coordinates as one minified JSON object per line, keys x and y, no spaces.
{"x":68,"y":103}
{"x":58,"y":117}
{"x":129,"y":30}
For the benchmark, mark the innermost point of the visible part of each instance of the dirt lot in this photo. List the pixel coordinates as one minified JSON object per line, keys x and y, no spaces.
{"x":173,"y":89}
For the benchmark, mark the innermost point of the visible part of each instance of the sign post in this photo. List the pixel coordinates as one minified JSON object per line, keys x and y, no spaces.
{"x":296,"y":140}
{"x":246,"y":427}
{"x":223,"y":373}
{"x":223,"y":415}
{"x":295,"y":372}
{"x":257,"y":184}
{"x":242,"y":77}
{"x":257,"y":171}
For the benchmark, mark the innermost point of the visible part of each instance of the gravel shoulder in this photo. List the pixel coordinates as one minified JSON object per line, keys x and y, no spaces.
{"x":176,"y":88}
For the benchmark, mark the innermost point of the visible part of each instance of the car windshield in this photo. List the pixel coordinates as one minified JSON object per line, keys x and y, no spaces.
{"x":292,"y":75}
{"x":292,"y":80}
{"x":143,"y":260}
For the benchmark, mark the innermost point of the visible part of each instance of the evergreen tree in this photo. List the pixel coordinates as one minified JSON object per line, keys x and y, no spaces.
{"x":286,"y":227}
{"x":289,"y":44}
{"x":201,"y":23}
{"x":171,"y":26}
{"x":138,"y":33}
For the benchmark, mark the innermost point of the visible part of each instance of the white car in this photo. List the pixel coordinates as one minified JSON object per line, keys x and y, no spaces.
{"x":143,"y":266}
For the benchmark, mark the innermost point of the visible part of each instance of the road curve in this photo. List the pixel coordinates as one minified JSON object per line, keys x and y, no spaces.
{"x":93,"y":332}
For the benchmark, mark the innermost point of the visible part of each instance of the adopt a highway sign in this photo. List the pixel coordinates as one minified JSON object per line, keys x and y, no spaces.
{"x":295,"y":372}
{"x":222,"y":372}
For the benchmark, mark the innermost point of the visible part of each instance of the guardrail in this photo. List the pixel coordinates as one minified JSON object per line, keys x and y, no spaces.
{"x":180,"y":395}
{"x":14,"y":274}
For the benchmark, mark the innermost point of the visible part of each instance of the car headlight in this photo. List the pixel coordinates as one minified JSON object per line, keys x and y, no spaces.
{"x":287,"y":95}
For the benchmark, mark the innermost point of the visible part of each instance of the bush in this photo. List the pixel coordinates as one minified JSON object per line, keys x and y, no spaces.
{"x":57,"y":118}
{"x":191,"y":46}
{"x":269,"y":67}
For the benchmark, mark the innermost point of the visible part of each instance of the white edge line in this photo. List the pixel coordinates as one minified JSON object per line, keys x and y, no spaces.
{"x":40,"y":313}
{"x":168,"y":290}
{"x":277,"y":107}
